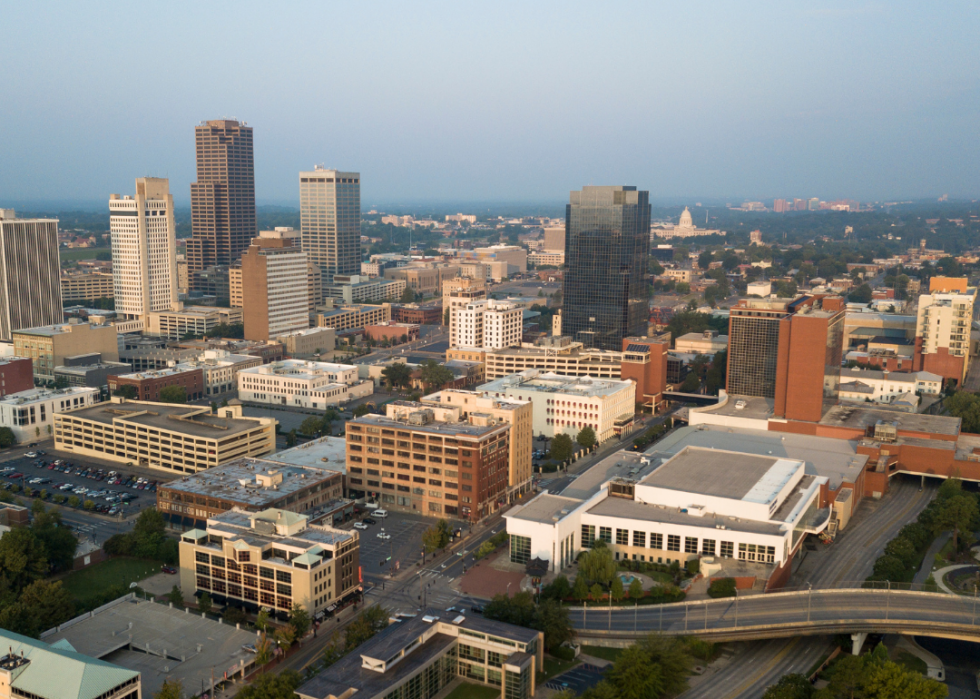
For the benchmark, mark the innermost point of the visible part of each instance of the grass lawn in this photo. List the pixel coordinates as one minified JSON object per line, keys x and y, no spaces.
{"x":81,"y":253}
{"x":610,"y":654}
{"x":474,"y":691}
{"x":554,"y":666}
{"x":911,"y":662}
{"x":92,"y":581}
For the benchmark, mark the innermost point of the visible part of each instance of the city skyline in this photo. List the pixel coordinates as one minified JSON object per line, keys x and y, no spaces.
{"x":746,"y":101}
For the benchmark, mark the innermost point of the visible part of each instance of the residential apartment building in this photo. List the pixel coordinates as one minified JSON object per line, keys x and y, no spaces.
{"x":304,"y":384}
{"x":275,"y":285}
{"x":300,"y":344}
{"x":330,"y":220}
{"x":566,"y":404}
{"x":192,"y":320}
{"x":942,"y":328}
{"x":460,"y":291}
{"x":166,"y":436}
{"x":30,"y":285}
{"x":48,"y":346}
{"x":144,"y":249}
{"x":223,"y":197}
{"x":273,"y":559}
{"x":487,"y":324}
{"x":429,"y":459}
{"x":352,"y":316}
{"x":87,"y":286}
{"x":607,"y":246}
{"x":517,"y":413}
{"x":30,"y":414}
{"x":354,"y":288}
{"x":149,"y":384}
{"x":249,"y":485}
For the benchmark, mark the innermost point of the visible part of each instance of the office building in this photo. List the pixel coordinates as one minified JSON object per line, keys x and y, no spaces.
{"x":485,"y":324}
{"x":48,"y":346}
{"x":166,"y":436}
{"x":86,"y":286}
{"x":183,"y":278}
{"x":16,"y":374}
{"x":352,"y":316}
{"x":250,"y":485}
{"x":420,"y":656}
{"x":275,"y":285}
{"x":223,"y":197}
{"x":149,"y":384}
{"x":144,"y":249}
{"x":554,"y":239}
{"x":432,"y":460}
{"x":515,"y":412}
{"x":707,"y":342}
{"x":298,"y":383}
{"x":458,"y":292}
{"x":942,"y":328}
{"x":89,"y":370}
{"x":210,"y":286}
{"x":32,"y":669}
{"x":301,"y":344}
{"x":221,"y":367}
{"x":354,"y":288}
{"x":274,"y":559}
{"x":426,"y":278}
{"x":566,"y":404}
{"x":606,"y":251}
{"x":330,"y":220}
{"x":192,"y":320}
{"x":30,"y":414}
{"x":30,"y":285}
{"x":546,"y":258}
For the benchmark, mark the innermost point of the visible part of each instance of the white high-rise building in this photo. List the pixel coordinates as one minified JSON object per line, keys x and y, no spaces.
{"x":330,"y":220}
{"x":144,"y":249}
{"x":30,"y":282}
{"x":486,"y":324}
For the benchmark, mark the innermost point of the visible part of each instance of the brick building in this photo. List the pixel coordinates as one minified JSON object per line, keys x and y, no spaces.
{"x":148,"y":384}
{"x":16,"y":374}
{"x":396,"y":333}
{"x":419,"y":313}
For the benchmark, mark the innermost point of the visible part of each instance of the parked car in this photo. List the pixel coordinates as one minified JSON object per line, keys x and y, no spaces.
{"x":31,"y":455}
{"x":169,"y":570}
{"x":360,"y":525}
{"x":383,"y":536}
{"x":380,"y":514}
{"x":368,"y":520}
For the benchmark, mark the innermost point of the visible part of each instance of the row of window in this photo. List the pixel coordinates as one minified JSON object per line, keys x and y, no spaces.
{"x":691,"y":544}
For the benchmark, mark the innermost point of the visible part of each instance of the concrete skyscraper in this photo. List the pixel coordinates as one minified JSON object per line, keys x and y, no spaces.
{"x":275,"y":290}
{"x":30,"y":273}
{"x":330,"y":220}
{"x":223,"y":198}
{"x":144,"y":249}
{"x":607,"y":246}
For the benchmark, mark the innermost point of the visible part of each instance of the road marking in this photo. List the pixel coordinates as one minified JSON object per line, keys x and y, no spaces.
{"x":767,"y":667}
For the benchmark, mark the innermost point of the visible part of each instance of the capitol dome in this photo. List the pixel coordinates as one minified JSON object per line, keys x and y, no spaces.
{"x":686,"y":221}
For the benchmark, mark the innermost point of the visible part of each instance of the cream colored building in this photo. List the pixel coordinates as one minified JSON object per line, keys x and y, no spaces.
{"x":685,"y":228}
{"x":48,"y":346}
{"x":273,"y":559}
{"x":30,"y":271}
{"x":303,"y":384}
{"x":708,"y":342}
{"x":314,"y":283}
{"x":351,"y":316}
{"x":353,"y":288}
{"x":679,"y":275}
{"x":330,"y":220}
{"x":30,"y":414}
{"x":943,"y":322}
{"x":560,"y":356}
{"x":517,"y":413}
{"x":165,"y":436}
{"x":425,"y":278}
{"x":275,"y":285}
{"x":193,"y":320}
{"x":221,"y":369}
{"x":460,"y":291}
{"x":486,"y":324}
{"x":183,"y":277}
{"x":87,"y":286}
{"x":554,"y":239}
{"x":236,"y":298}
{"x":547,"y":257}
{"x":144,"y":249}
{"x":306,"y":343}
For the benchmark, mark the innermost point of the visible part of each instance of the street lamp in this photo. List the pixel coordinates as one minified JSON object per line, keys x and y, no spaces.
{"x":809,"y":600}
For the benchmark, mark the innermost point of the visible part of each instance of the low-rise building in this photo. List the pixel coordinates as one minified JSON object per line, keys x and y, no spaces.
{"x":16,"y":374}
{"x":869,"y":385}
{"x":221,"y":369}
{"x":707,"y":342}
{"x":547,"y":258}
{"x":49,"y":345}
{"x":395,"y":333}
{"x":166,"y":436}
{"x":31,"y":414}
{"x":192,"y":320}
{"x":763,"y":289}
{"x":566,"y":404}
{"x":430,"y":313}
{"x":149,"y":384}
{"x":353,"y":288}
{"x":87,"y":286}
{"x":422,"y":655}
{"x":274,"y":559}
{"x":253,"y":485}
{"x":90,"y":370}
{"x":307,"y":343}
{"x":351,"y":316}
{"x":304,"y":384}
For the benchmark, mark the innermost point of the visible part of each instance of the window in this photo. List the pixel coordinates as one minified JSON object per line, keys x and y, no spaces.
{"x":690,"y":544}
{"x":656,"y":541}
{"x":605,"y":534}
{"x":708,"y":547}
{"x":623,"y":537}
{"x":673,"y":542}
{"x":727,"y":549}
{"x":639,"y":538}
{"x":588,"y":536}
{"x":520,"y":549}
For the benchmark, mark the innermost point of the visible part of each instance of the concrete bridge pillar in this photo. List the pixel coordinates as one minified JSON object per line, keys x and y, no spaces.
{"x":858,"y":639}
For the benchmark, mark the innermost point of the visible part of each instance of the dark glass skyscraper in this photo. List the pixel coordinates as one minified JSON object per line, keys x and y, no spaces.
{"x":607,"y":245}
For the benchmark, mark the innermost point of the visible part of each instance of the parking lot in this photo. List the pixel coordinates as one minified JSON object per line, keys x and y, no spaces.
{"x":404,"y":547}
{"x":578,"y":679}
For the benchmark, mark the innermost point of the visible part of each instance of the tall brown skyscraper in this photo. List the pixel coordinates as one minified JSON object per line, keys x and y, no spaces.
{"x":223,"y":198}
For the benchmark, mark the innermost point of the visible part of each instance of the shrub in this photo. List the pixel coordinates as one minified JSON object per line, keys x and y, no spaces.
{"x":722,"y":587}
{"x":693,"y":566}
{"x":563,"y":653}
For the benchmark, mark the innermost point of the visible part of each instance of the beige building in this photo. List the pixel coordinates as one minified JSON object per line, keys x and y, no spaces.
{"x":330,"y":220}
{"x":87,"y":286}
{"x":306,"y":343}
{"x":486,"y":324}
{"x":144,"y":249}
{"x":48,"y":346}
{"x":165,"y":436}
{"x":707,"y":342}
{"x":554,"y":239}
{"x":460,"y":291}
{"x":354,"y":288}
{"x":236,"y":297}
{"x":943,"y":323}
{"x":547,"y":257}
{"x":513,"y":255}
{"x":426,"y":280}
{"x":560,"y":356}
{"x":517,"y":413}
{"x":183,"y":277}
{"x":679,"y":275}
{"x":351,"y":316}
{"x":30,"y":272}
{"x":221,"y":369}
{"x":275,"y":285}
{"x":273,"y":559}
{"x":303,"y":384}
{"x":30,"y":414}
{"x":193,"y":320}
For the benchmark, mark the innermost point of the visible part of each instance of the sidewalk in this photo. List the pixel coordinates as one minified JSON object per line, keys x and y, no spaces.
{"x":930,"y":559}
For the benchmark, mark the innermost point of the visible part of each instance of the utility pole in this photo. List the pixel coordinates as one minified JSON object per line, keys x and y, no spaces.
{"x":809,"y":599}
{"x":636,"y":606}
{"x":888,"y":596}
{"x":736,"y":607}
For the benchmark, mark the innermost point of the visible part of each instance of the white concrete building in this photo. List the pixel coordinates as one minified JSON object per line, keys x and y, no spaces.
{"x":566,"y":404}
{"x":30,"y":414}
{"x":864,"y":385}
{"x":221,"y":369}
{"x":762,"y":289}
{"x":943,"y":322}
{"x":144,"y":249}
{"x":485,"y":324}
{"x":294,"y":382}
{"x":708,"y":342}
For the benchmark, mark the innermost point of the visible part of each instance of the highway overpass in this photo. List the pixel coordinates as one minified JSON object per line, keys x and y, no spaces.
{"x":786,"y":614}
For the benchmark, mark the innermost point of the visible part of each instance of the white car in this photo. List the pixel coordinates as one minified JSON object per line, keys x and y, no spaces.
{"x":382,"y":535}
{"x":31,"y":455}
{"x":80,"y":491}
{"x":360,"y":525}
{"x":380,"y":513}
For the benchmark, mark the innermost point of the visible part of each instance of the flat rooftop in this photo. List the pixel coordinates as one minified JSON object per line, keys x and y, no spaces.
{"x":548,"y":382}
{"x":446,"y":429}
{"x":630,"y":464}
{"x":193,"y":645}
{"x":57,"y":329}
{"x":169,"y":417}
{"x":756,"y":408}
{"x":630,"y":509}
{"x":545,"y":508}
{"x":160,"y":373}
{"x":325,"y":452}
{"x":239,"y":524}
{"x":33,"y":395}
{"x":861,"y":418}
{"x":236,"y":481}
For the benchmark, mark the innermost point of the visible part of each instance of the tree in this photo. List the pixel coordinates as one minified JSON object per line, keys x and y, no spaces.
{"x":518,"y":609}
{"x":171,"y":689}
{"x":148,"y":534}
{"x":551,"y":618}
{"x":285,"y":636}
{"x":397,"y":375}
{"x":955,"y":512}
{"x":50,"y":603}
{"x":890,"y":568}
{"x":902,"y":549}
{"x":362,"y":410}
{"x":598,"y":565}
{"x":311,"y":426}
{"x":561,"y":447}
{"x":559,"y":589}
{"x":861,"y":294}
{"x":214,"y":407}
{"x":173,"y":394}
{"x":634,"y":676}
{"x":300,"y":620}
{"x":793,"y":686}
{"x":889,"y":680}
{"x":580,"y":590}
{"x":7,"y":437}
{"x":671,"y":655}
{"x":435,"y":375}
{"x":204,"y":602}
{"x":263,"y":650}
{"x":408,"y":296}
{"x":262,"y":620}
{"x":847,"y":676}
{"x":636,"y":589}
{"x":586,"y":437}
{"x":59,"y":542}
{"x":445,"y":533}
{"x":127,"y":391}
{"x":691,"y":384}
{"x":291,"y":438}
{"x":22,"y":558}
{"x":234,"y":615}
{"x":176,"y":597}
{"x":272,"y":686}
{"x":616,"y":589}
{"x":367,"y":623}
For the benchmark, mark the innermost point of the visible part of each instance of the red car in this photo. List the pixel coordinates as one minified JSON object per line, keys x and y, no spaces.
{"x":169,"y":570}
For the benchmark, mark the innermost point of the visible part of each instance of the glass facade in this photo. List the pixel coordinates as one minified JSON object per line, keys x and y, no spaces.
{"x":607,"y":245}
{"x":753,"y":351}
{"x":517,"y":685}
{"x":520,"y":549}
{"x":330,"y":221}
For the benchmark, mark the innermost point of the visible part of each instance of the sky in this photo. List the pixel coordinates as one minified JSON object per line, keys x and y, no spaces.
{"x":498,"y":101}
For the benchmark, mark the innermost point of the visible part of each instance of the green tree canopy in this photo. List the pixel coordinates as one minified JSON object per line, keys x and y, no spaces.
{"x":127,"y":391}
{"x":435,"y":375}
{"x":23,"y":558}
{"x":597,"y":564}
{"x":397,"y":375}
{"x":269,"y":685}
{"x":171,"y":689}
{"x":586,"y":437}
{"x":561,"y":447}
{"x":173,"y":394}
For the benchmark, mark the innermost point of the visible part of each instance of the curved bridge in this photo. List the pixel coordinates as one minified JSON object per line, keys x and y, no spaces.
{"x":785,"y":614}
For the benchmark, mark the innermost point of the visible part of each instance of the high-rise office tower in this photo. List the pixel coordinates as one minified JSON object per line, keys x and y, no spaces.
{"x":330,"y":220}
{"x":275,"y":290}
{"x":30,"y":273}
{"x":607,"y":245}
{"x":223,"y":198}
{"x":144,"y":249}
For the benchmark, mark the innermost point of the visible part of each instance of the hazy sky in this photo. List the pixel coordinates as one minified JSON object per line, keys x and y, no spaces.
{"x":499,"y":100}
